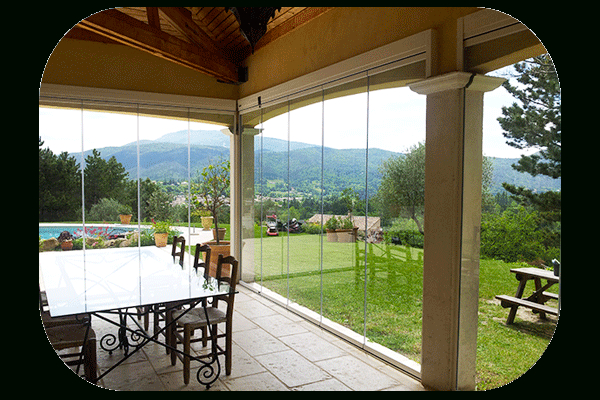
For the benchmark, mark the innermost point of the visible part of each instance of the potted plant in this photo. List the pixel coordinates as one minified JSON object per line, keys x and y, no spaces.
{"x":207,"y":219}
{"x":346,"y":232}
{"x":161,"y":233}
{"x":125,"y":214}
{"x":331,"y":225}
{"x":66,"y":240}
{"x":213,"y":190}
{"x":210,"y":194}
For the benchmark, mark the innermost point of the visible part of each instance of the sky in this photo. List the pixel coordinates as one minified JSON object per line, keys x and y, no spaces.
{"x":396,"y":122}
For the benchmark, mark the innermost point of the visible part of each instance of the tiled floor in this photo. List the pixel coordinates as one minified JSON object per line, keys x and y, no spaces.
{"x":274,"y":349}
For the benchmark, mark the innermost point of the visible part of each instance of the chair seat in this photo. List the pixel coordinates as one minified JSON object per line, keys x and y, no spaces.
{"x":196,"y":318}
{"x":67,"y":336}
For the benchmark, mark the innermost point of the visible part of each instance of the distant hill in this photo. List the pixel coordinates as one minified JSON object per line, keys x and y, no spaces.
{"x":165,"y":158}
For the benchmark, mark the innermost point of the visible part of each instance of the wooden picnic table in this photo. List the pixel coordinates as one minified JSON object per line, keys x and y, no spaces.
{"x":537,"y":300}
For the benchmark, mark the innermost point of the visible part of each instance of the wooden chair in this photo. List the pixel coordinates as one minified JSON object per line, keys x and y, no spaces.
{"x":181,"y":253}
{"x":196,"y":318}
{"x":159,"y":311}
{"x":71,"y":332}
{"x":199,"y":261}
{"x":72,"y":336}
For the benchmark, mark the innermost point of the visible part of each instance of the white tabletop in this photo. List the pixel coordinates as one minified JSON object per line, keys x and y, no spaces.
{"x":109,"y":279}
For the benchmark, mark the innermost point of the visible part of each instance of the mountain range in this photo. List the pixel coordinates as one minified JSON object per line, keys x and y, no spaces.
{"x":166,"y":159}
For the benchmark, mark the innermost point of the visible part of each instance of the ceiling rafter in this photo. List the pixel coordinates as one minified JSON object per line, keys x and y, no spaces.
{"x":127,"y":30}
{"x":205,"y":39}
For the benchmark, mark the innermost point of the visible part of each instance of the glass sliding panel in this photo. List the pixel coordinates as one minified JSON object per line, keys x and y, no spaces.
{"x":396,"y":193}
{"x":306,"y":126}
{"x":109,"y":183}
{"x":274,"y":186}
{"x":344,"y":183}
{"x":210,"y":146}
{"x":61,"y":207}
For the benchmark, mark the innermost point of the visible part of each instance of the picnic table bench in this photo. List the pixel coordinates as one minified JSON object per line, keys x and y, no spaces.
{"x":536,"y":301}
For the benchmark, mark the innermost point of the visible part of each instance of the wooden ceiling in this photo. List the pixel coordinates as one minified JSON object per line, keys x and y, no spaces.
{"x":206,"y":39}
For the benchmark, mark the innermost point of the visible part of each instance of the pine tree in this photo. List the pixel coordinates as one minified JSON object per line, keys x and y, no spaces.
{"x":535,"y":123}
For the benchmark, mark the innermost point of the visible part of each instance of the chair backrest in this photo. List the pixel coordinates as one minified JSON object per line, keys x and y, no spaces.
{"x":199,"y":261}
{"x":181,"y":252}
{"x":231,"y":279}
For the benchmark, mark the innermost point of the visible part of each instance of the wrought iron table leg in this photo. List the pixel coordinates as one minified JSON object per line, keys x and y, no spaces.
{"x":207,"y":370}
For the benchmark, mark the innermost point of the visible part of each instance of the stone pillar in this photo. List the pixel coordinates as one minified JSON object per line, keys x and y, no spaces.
{"x":453,"y":169}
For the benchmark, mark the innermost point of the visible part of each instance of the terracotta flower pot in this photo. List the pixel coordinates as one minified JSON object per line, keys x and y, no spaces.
{"x":223,"y":248}
{"x":332,"y":235}
{"x":221,"y":233}
{"x":125,"y":218}
{"x":207,"y":223}
{"x":160,"y":239}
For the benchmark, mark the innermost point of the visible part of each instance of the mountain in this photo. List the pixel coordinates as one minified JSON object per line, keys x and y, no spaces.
{"x":166,"y":158}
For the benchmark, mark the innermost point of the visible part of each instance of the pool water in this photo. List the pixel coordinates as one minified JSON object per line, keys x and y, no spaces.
{"x":109,"y":232}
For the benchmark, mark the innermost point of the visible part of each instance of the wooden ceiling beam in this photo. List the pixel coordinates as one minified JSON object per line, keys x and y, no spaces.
{"x":153,"y":19}
{"x":181,"y":19}
{"x":127,"y":30}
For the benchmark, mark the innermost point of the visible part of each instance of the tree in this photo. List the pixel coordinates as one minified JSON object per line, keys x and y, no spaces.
{"x":535,"y":123}
{"x":402,"y":188}
{"x":213,"y":189}
{"x":103,"y":179}
{"x":59,"y":186}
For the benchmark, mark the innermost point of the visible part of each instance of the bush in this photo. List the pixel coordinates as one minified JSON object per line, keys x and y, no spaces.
{"x":404,"y":237}
{"x":105,"y":210}
{"x":312,"y":228}
{"x":513,"y":235}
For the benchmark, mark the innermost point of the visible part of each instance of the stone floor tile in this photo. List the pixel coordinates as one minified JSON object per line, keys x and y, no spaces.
{"x":312,"y":346}
{"x":356,"y":374}
{"x":257,"y":342}
{"x":264,"y":381}
{"x":291,"y":368}
{"x":279,"y":325}
{"x":322,"y":386}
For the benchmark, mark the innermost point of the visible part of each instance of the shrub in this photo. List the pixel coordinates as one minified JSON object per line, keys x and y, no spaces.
{"x":312,"y":228}
{"x":513,"y":236}
{"x":105,"y":210}
{"x":404,"y":237}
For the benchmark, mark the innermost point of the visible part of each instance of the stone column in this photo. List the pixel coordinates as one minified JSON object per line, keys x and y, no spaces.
{"x":453,"y":169}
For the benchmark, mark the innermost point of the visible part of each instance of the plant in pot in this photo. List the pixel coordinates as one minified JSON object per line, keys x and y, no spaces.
{"x":331,"y":225}
{"x":125,"y":214}
{"x":210,"y":193}
{"x":207,"y":219}
{"x":161,"y":233}
{"x":345,"y":233}
{"x":66,"y":240}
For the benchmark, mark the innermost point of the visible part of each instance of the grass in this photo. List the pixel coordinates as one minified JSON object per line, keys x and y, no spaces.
{"x":394,"y":299}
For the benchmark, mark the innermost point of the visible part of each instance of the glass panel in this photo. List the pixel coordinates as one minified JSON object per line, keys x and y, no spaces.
{"x":109,"y":188}
{"x":274,"y":187}
{"x":344,"y":182}
{"x":396,"y":205}
{"x":305,"y":156}
{"x":60,"y":208}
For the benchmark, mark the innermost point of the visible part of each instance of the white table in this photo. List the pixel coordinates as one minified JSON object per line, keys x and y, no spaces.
{"x":113,"y":280}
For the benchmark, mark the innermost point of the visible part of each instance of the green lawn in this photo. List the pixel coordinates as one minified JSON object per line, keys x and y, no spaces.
{"x":394,"y":299}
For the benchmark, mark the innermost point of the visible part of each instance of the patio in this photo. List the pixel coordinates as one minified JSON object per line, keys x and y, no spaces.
{"x":274,"y":349}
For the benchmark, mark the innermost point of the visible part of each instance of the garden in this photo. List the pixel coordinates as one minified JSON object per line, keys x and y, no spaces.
{"x":394,"y":291}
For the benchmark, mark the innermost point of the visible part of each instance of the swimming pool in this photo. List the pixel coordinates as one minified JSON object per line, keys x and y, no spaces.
{"x":48,"y":231}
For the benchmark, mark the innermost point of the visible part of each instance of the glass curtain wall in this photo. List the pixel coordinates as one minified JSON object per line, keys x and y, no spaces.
{"x":129,"y":159}
{"x":321,"y":157}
